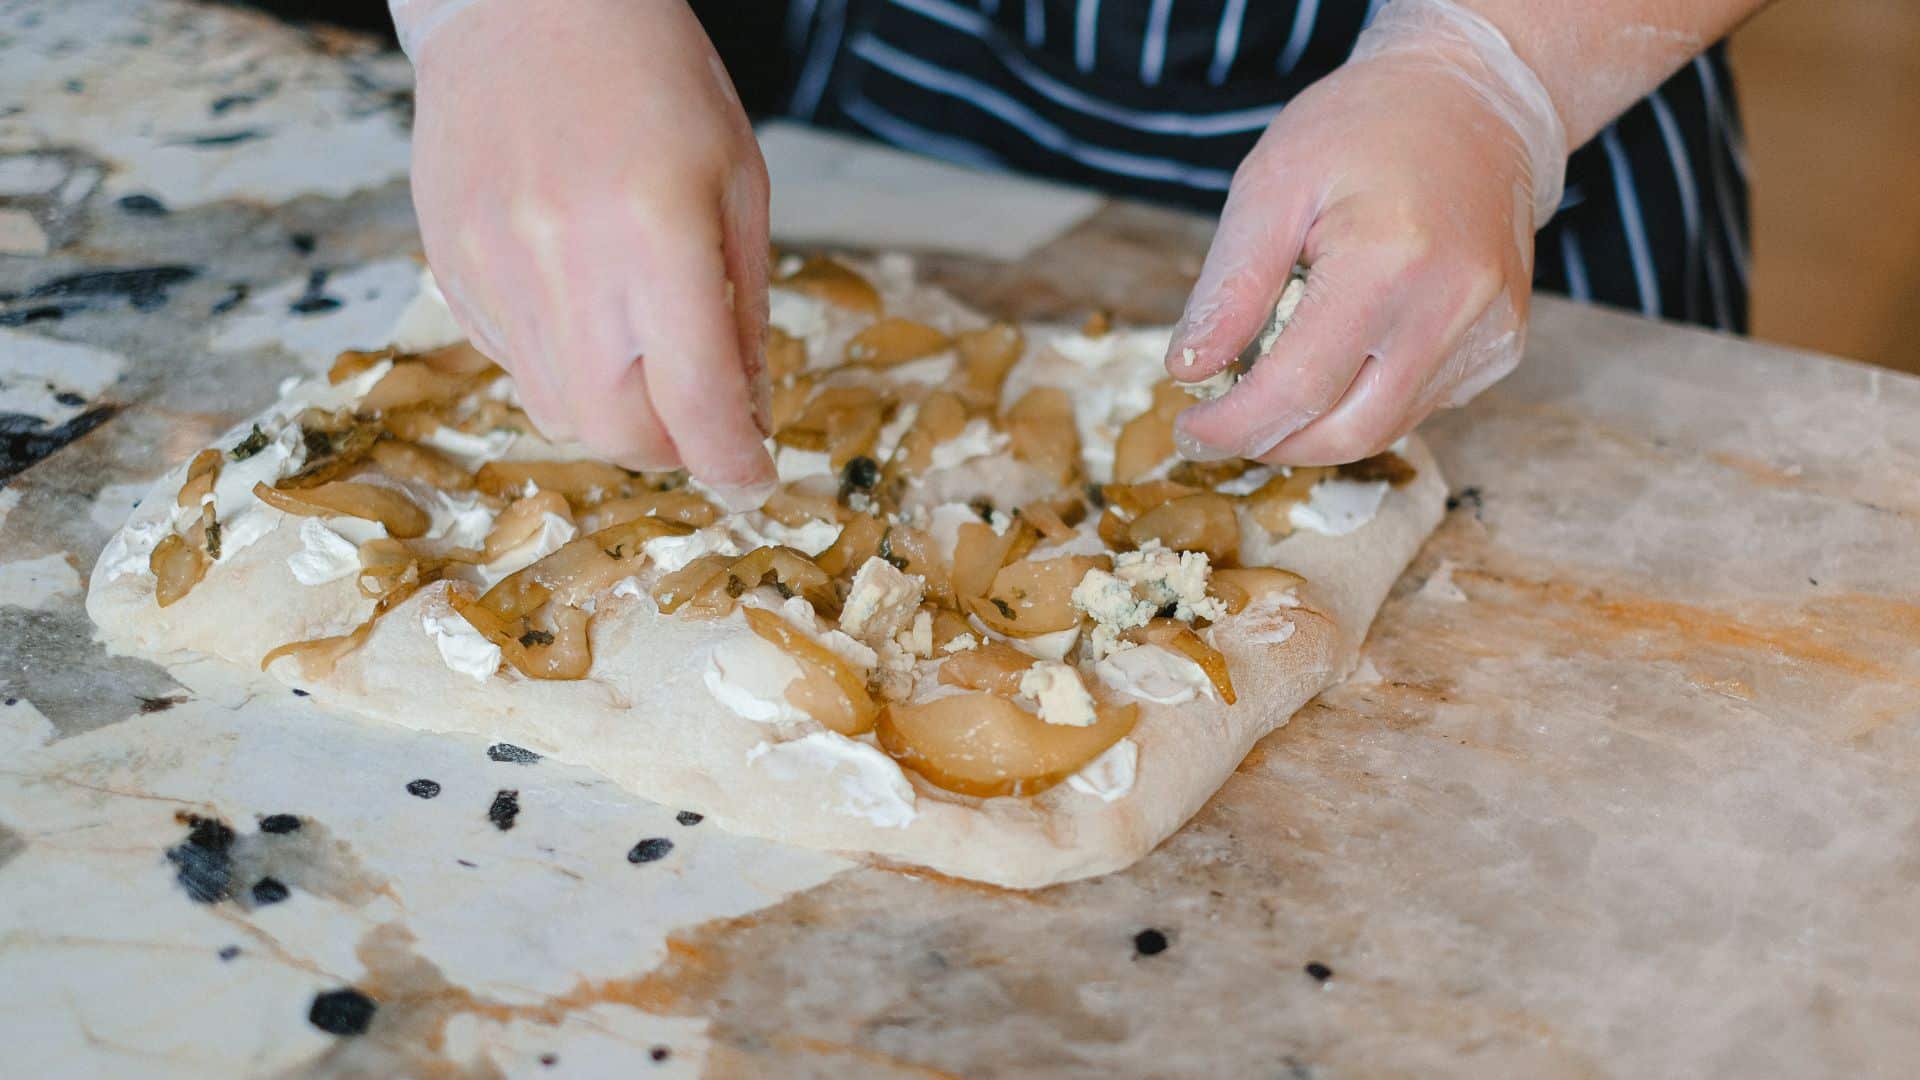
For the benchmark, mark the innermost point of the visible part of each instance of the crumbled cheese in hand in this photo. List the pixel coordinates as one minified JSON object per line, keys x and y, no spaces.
{"x":1061,"y":696}
{"x":1215,"y":385}
{"x":881,"y":602}
{"x":1164,"y":577}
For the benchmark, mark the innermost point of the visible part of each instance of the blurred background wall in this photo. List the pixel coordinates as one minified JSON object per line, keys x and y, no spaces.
{"x":1831,"y":94}
{"x":1831,"y":91}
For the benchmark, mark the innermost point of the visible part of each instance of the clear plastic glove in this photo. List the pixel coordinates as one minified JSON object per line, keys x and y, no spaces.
{"x":594,"y":205}
{"x":1409,"y":182}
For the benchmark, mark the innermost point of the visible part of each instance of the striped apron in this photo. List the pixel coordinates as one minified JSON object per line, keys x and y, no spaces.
{"x":1160,"y":99}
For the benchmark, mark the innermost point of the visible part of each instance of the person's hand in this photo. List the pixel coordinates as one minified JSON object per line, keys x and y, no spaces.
{"x":594,"y":205}
{"x":1409,"y":182}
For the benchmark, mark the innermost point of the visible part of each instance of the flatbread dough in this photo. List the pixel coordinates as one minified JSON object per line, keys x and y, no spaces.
{"x":648,"y":715}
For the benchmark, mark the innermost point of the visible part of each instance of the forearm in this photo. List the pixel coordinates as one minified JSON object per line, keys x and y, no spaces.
{"x":1597,"y":57}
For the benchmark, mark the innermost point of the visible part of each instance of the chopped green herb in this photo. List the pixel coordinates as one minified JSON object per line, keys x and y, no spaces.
{"x":785,"y":590}
{"x":255,"y":442}
{"x":213,"y":539}
{"x":736,"y":588}
{"x":617,"y":551}
{"x":536,"y":637}
{"x":1006,"y":611}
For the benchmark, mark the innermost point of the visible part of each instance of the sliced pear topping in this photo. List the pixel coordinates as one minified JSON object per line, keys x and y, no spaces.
{"x":1180,"y":638}
{"x":941,"y":419}
{"x":858,"y":542}
{"x":354,"y":361}
{"x":522,"y":520}
{"x":177,"y":567}
{"x":1146,"y":442}
{"x":336,"y":445}
{"x":986,"y":355}
{"x":833,"y":282}
{"x":980,"y":553}
{"x":1204,"y":522}
{"x":993,"y":666}
{"x":1032,"y":598}
{"x":584,"y":483}
{"x":894,"y":341}
{"x":677,"y":504}
{"x":786,"y":354}
{"x":791,"y":571}
{"x":828,"y":690}
{"x":420,"y":465}
{"x":1273,"y":503}
{"x":1241,"y":586}
{"x":677,"y":587}
{"x":1041,"y":429}
{"x":202,"y":473}
{"x":338,"y":498}
{"x":411,"y":383}
{"x":459,"y":358}
{"x":986,"y":746}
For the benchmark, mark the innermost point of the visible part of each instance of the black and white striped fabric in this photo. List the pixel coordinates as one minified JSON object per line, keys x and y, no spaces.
{"x":1162,"y":98}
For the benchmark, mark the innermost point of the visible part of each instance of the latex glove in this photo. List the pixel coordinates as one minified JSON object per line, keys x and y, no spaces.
{"x":1409,"y":182}
{"x":594,"y":205}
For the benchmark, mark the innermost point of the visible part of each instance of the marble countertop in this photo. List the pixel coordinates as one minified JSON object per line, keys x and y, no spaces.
{"x":1625,"y":786}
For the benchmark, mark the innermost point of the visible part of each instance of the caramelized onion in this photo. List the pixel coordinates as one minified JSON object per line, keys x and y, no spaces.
{"x":984,"y":745}
{"x":354,"y":361}
{"x":677,"y":504}
{"x":459,"y":358}
{"x":410,"y":384}
{"x":677,"y":587}
{"x":791,"y":570}
{"x":333,"y":450}
{"x":336,"y":498}
{"x":580,"y":569}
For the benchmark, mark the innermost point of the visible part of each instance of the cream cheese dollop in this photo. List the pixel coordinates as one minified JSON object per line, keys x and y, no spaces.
{"x":1338,"y":507}
{"x":867,"y":784}
{"x":472,"y":451}
{"x":1109,"y":776}
{"x":462,"y":648}
{"x":749,"y":676}
{"x":324,"y":555}
{"x":1151,"y":673}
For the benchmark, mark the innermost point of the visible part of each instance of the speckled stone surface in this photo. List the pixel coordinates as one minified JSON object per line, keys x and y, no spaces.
{"x":1625,"y":787}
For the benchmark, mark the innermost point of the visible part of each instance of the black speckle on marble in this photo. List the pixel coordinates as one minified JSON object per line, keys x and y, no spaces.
{"x":229,"y":952}
{"x":142,"y":205}
{"x":549,"y":1059}
{"x":25,"y":440}
{"x":1468,"y":498}
{"x":342,"y":1012}
{"x":314,"y":300}
{"x":688,"y":817}
{"x":511,"y":754}
{"x":297,"y":692}
{"x":303,"y":242}
{"x":279,"y":823}
{"x":423,"y":789}
{"x":1319,"y":971}
{"x":652,"y":849}
{"x":204,"y":861}
{"x":468,"y":864}
{"x":504,"y":810}
{"x":149,"y":705}
{"x":76,"y":86}
{"x":1150,"y":942}
{"x":660,"y":1053}
{"x":225,"y":102}
{"x":236,"y":296}
{"x":70,"y":399}
{"x":270,"y":890}
{"x":145,"y":287}
{"x":11,"y":702}
{"x":219,"y":139}
{"x":37,"y":313}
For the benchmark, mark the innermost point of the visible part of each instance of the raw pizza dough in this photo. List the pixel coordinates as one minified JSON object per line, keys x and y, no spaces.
{"x":651,"y":713}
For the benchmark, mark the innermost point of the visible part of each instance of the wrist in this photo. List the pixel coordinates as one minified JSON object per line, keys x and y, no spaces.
{"x":1472,"y":50}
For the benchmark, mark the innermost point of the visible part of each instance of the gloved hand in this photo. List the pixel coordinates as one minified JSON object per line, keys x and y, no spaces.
{"x":1410,"y":182}
{"x":594,"y":205}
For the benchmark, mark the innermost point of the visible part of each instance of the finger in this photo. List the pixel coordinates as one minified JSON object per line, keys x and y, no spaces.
{"x":604,"y":389}
{"x":694,"y":373}
{"x":744,"y":246}
{"x":1381,"y":406}
{"x":1339,"y":323}
{"x":1262,"y":229}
